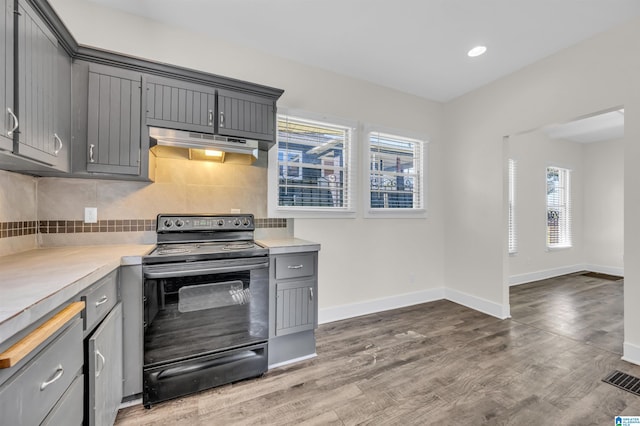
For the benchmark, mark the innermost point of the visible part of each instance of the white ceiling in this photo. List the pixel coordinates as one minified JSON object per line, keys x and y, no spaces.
{"x":416,"y":46}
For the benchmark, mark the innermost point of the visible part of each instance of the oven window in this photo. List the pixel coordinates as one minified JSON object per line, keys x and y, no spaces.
{"x":196,"y":315}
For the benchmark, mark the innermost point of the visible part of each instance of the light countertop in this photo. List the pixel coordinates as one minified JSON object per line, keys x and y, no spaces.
{"x":288,"y":245}
{"x":35,"y":282}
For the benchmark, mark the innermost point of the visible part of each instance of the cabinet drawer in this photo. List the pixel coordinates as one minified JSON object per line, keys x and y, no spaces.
{"x":70,"y":408}
{"x":294,"y":266}
{"x":100,"y":299}
{"x":35,"y":389}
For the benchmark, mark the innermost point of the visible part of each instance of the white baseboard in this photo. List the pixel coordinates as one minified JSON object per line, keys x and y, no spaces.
{"x":341,"y":312}
{"x":479,"y":304}
{"x":556,"y":272}
{"x":610,"y":270}
{"x":543,"y":275}
{"x":631,"y":353}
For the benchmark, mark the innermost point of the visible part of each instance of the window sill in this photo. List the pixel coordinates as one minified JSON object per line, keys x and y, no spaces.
{"x":395,"y":214}
{"x":312,"y":213}
{"x":559,"y":248}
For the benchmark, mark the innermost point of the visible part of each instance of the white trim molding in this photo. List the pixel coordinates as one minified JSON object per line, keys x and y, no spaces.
{"x":337,"y":313}
{"x":478,"y":303}
{"x":544,"y":274}
{"x":609,"y":270}
{"x":631,"y":353}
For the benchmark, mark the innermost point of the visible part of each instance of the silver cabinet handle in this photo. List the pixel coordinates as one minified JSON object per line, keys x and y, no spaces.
{"x":59,"y":372}
{"x":310,"y":294}
{"x":91,"y":159}
{"x":221,"y":118}
{"x":210,"y":117}
{"x":102,"y":300}
{"x":15,"y":122}
{"x":60,"y":144}
{"x":295,"y":266}
{"x":104,"y":361}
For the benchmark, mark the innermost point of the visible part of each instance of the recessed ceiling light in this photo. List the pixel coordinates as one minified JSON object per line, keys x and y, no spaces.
{"x":477,"y":51}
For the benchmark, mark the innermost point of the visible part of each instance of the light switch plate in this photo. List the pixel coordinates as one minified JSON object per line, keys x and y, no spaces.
{"x":90,"y":215}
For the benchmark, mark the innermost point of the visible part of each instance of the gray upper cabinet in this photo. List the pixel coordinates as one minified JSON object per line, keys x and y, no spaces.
{"x":245,"y":115}
{"x":6,"y":75}
{"x":180,"y":105}
{"x":114,"y":121}
{"x":38,"y":136}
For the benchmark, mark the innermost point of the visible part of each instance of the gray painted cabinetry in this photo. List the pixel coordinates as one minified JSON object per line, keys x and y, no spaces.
{"x":6,"y":74}
{"x":176,"y":104}
{"x":245,"y":115}
{"x":114,"y":125}
{"x":293,"y":306}
{"x":35,"y":91}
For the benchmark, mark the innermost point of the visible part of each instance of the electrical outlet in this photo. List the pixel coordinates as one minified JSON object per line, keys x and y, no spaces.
{"x":90,"y":215}
{"x":235,"y":211}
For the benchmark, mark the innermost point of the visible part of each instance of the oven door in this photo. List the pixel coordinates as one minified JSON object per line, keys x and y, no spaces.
{"x":193,"y":309}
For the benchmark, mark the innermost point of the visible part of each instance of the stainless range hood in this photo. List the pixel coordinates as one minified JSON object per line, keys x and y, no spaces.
{"x":202,"y":141}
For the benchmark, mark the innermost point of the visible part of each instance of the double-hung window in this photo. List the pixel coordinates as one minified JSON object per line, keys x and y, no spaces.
{"x":395,"y":174}
{"x":558,"y":207}
{"x":314,"y":159}
{"x":513,"y":236}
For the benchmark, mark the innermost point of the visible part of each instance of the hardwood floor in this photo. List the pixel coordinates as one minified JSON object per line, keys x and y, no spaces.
{"x":440,"y":363}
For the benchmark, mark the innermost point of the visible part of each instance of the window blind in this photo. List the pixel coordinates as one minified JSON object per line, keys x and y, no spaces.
{"x":558,"y":207}
{"x":513,"y":236}
{"x":314,"y":164}
{"x":396,"y":172}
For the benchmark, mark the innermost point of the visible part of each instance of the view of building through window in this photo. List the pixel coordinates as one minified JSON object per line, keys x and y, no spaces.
{"x":313,"y":164}
{"x":395,"y":172}
{"x":558,"y":207}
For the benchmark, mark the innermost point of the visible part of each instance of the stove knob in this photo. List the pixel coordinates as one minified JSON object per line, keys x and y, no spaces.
{"x":220,"y":222}
{"x":236,"y":222}
{"x":246,"y":221}
{"x":179,"y":223}
{"x":168,"y":223}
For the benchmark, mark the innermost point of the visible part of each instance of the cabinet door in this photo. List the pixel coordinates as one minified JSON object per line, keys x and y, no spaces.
{"x":179,"y":105}
{"x":296,"y":306}
{"x":6,"y":74}
{"x":37,"y":74}
{"x":105,"y":369}
{"x":246,"y":116}
{"x":114,"y":123}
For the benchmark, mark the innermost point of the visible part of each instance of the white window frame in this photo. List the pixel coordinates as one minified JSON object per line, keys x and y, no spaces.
{"x":564,"y":205}
{"x":350,"y":170}
{"x":513,"y":231}
{"x":422,"y":156}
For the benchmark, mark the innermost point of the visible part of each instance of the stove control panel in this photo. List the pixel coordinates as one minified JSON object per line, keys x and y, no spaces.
{"x":180,"y":223}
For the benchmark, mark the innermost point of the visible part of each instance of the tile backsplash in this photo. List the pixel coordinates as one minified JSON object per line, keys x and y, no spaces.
{"x":50,"y":211}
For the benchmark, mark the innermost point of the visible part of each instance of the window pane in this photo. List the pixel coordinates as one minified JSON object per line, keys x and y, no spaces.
{"x":312,"y":164}
{"x":558,"y":207}
{"x":395,"y":170}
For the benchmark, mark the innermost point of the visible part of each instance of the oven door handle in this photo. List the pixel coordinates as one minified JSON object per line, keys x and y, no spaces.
{"x":169,"y":271}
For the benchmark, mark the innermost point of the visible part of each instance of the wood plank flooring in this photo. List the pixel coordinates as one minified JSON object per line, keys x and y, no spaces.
{"x":440,"y":363}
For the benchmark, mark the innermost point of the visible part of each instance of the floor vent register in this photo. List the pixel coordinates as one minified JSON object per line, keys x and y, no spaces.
{"x":624,"y":381}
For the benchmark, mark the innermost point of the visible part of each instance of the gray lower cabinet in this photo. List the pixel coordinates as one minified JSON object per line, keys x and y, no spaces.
{"x":247,"y":116}
{"x":39,"y":387}
{"x":68,"y":411}
{"x":293,"y":290}
{"x":180,"y":105}
{"x":133,"y":337}
{"x":105,"y":369}
{"x":6,"y":75}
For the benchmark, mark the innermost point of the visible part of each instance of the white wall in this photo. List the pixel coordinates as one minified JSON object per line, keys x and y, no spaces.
{"x":595,"y":75}
{"x":362,"y":260}
{"x":534,"y":152}
{"x":604,"y":206}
